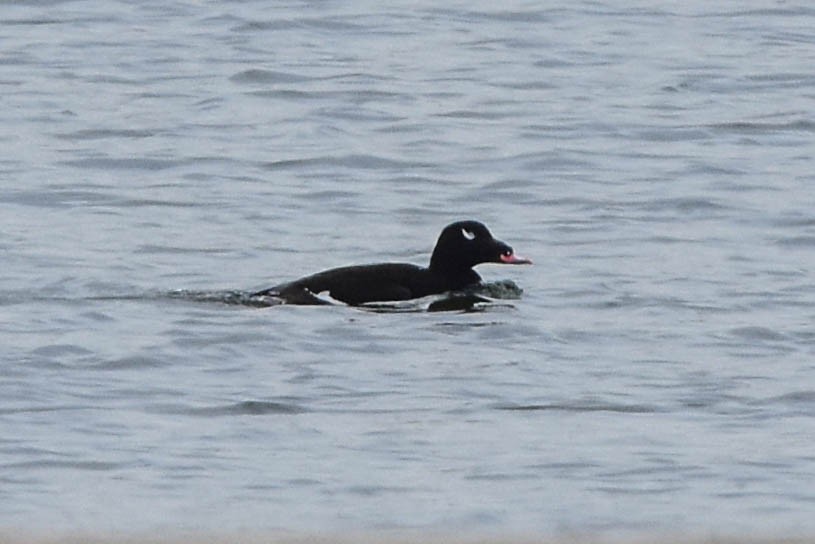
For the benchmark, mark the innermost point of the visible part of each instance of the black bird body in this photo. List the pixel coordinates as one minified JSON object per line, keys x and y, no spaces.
{"x":460,"y":247}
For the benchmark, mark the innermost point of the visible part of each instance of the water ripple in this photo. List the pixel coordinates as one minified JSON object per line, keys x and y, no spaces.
{"x":124,"y":163}
{"x":354,"y":161}
{"x":267,"y":76}
{"x":582,"y":406}
{"x":244,"y":408}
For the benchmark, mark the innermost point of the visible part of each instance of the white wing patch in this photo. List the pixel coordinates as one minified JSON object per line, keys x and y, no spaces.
{"x":325,"y":296}
{"x":469,"y":235}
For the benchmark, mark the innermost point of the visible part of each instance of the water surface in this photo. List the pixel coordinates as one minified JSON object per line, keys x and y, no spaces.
{"x":656,"y":375}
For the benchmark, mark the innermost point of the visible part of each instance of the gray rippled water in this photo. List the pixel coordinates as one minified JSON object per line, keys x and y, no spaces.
{"x":162,"y":159}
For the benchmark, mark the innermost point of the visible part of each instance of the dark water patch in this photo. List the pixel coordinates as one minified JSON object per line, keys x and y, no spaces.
{"x":154,"y":203}
{"x":797,"y":242}
{"x":807,"y":397}
{"x":761,"y":13}
{"x":56,"y":198}
{"x":31,"y":21}
{"x":494,"y":476}
{"x":582,"y":406}
{"x":328,"y":195}
{"x":711,"y":398}
{"x":124,"y":164}
{"x":98,"y":317}
{"x":514,"y":184}
{"x":353,"y":162}
{"x":479,"y":114}
{"x":628,"y":300}
{"x":796,"y":399}
{"x":60,"y":350}
{"x":151,"y":249}
{"x":293,"y":95}
{"x":135,"y":362}
{"x":781,"y":76}
{"x":466,"y":325}
{"x":102,"y":134}
{"x":795,"y":219}
{"x":295,"y":164}
{"x":244,"y":408}
{"x":528,"y":197}
{"x":41,"y":409}
{"x":371,"y":490}
{"x":302,"y":23}
{"x":499,"y":15}
{"x":67,"y":465}
{"x":762,"y":334}
{"x":11,"y":298}
{"x":357,"y":97}
{"x":15,"y":59}
{"x":620,"y":490}
{"x":340,"y":24}
{"x":783,"y":38}
{"x":359,"y":114}
{"x":673,"y":134}
{"x":661,"y":239}
{"x":685,"y":205}
{"x":554,"y":161}
{"x":267,"y":76}
{"x":696,"y":168}
{"x":209,"y":104}
{"x":749,"y":127}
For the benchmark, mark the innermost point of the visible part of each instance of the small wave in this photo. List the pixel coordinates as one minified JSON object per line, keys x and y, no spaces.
{"x":581,"y":406}
{"x":682,"y":204}
{"x":126,"y":363}
{"x":244,"y":408}
{"x":123,"y":164}
{"x":57,"y":198}
{"x":60,"y":350}
{"x":267,"y":76}
{"x":231,"y":297}
{"x":290,"y":94}
{"x":500,"y":289}
{"x":747,"y":127}
{"x":69,"y":465}
{"x":803,"y":242}
{"x":758,"y":333}
{"x":325,"y":23}
{"x":805,"y":397}
{"x":40,"y":409}
{"x":352,"y":161}
{"x":32,"y":21}
{"x":795,"y":403}
{"x":103,"y":134}
{"x":154,"y":249}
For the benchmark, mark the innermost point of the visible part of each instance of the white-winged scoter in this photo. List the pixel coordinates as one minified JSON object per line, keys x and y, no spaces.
{"x":460,"y":247}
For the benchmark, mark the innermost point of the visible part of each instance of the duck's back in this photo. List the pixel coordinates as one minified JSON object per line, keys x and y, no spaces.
{"x":366,"y":283}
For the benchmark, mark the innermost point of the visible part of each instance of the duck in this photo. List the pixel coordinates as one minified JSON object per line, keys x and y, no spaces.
{"x":461,"y":246}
